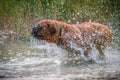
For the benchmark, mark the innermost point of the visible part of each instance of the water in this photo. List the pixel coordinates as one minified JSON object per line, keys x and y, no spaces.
{"x":42,"y":61}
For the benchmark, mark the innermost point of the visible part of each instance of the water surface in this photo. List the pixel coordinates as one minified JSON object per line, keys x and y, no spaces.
{"x":26,"y":61}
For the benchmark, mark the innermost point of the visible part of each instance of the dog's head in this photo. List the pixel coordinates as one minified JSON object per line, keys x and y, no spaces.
{"x":44,"y":30}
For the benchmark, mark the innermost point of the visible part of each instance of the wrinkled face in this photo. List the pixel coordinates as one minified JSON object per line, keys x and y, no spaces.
{"x":43,"y":31}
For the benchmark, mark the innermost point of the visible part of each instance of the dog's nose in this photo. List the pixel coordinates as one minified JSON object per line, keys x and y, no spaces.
{"x":33,"y":30}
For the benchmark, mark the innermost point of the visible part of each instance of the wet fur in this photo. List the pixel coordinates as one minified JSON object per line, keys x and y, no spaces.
{"x":77,"y":37}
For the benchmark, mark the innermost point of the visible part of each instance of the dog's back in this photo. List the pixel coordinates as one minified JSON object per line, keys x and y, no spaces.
{"x":99,"y":33}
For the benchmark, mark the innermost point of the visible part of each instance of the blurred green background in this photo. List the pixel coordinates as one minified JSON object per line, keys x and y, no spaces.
{"x":20,"y":15}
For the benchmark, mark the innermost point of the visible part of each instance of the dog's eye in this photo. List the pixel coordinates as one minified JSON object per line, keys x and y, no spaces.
{"x":39,"y":28}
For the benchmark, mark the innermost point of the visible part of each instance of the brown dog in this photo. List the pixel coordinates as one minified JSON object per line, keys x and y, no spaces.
{"x":78,"y":37}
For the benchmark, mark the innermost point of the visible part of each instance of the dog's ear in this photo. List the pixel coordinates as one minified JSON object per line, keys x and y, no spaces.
{"x":51,"y":29}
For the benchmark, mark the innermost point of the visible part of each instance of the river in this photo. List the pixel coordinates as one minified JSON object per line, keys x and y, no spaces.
{"x":42,"y":61}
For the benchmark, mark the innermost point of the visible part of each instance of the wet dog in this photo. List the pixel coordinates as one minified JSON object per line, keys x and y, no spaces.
{"x":75,"y":37}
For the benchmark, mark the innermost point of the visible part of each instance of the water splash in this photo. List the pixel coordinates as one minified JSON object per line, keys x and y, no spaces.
{"x":48,"y":60}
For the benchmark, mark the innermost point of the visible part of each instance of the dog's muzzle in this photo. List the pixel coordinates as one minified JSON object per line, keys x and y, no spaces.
{"x":33,"y":31}
{"x":36,"y":33}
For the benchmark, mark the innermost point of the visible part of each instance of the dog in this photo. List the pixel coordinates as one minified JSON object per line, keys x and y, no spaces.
{"x":74,"y":37}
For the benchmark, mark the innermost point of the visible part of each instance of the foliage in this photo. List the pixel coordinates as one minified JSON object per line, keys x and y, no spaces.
{"x":20,"y":15}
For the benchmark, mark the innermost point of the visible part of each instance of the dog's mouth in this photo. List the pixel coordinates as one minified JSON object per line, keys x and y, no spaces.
{"x":36,"y":33}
